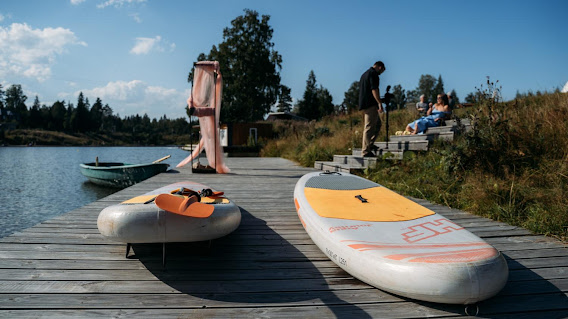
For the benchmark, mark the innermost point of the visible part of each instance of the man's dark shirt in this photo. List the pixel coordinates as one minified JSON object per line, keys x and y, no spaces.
{"x":368,"y":82}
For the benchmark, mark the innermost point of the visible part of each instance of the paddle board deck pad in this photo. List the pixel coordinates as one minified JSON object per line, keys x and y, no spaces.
{"x":140,"y":220}
{"x":395,"y":244}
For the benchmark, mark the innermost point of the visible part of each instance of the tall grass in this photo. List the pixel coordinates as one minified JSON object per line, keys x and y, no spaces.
{"x":512,"y":166}
{"x":307,"y":142}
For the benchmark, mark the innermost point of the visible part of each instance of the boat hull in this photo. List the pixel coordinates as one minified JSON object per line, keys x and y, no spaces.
{"x":120,"y":174}
{"x":394,"y":244}
{"x":139,"y":221}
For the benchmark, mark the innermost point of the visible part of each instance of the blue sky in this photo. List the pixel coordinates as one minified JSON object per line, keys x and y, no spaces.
{"x":135,"y":54}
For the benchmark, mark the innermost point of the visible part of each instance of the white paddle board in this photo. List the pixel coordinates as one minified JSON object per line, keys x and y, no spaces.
{"x":140,"y":220}
{"x":395,"y":244}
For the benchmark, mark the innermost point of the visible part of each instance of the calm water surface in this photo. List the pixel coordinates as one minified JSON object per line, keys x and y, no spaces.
{"x":39,"y":183}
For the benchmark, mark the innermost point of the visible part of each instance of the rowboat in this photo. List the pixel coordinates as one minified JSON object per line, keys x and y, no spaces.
{"x":115,"y":174}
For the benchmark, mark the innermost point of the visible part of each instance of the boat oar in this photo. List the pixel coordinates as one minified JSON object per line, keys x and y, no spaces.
{"x":186,"y":206}
{"x":161,"y":159}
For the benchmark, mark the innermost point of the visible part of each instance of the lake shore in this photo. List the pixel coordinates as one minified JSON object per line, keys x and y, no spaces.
{"x":38,"y":137}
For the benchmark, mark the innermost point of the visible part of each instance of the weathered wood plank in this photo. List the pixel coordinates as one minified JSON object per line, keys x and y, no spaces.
{"x":269,"y":267}
{"x":538,"y":306}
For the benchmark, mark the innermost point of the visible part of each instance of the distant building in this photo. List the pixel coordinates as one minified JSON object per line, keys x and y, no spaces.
{"x":284,"y":116}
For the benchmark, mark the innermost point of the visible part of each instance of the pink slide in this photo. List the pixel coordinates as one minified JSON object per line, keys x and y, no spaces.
{"x":206,"y":98}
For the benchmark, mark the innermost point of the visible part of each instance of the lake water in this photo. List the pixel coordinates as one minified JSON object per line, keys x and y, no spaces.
{"x":39,"y":183}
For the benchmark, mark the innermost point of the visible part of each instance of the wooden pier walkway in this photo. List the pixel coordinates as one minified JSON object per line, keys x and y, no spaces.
{"x":268,"y":268}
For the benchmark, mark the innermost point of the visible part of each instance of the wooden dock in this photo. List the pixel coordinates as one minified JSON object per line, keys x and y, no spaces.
{"x":268,"y":268}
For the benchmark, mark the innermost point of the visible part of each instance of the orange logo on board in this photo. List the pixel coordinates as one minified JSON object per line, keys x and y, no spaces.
{"x":430,"y":229}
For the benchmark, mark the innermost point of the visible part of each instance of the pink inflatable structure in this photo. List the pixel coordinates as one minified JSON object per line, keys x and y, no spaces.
{"x":206,"y":98}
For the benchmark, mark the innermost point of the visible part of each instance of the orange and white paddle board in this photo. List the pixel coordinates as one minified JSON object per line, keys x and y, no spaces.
{"x":143,"y":219}
{"x":395,"y":244}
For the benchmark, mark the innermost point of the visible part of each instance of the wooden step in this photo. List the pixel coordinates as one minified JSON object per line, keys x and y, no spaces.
{"x":403,"y":145}
{"x":447,"y":135}
{"x":336,"y":167}
{"x":441,"y":129}
{"x":396,"y":154}
{"x":464,"y":121}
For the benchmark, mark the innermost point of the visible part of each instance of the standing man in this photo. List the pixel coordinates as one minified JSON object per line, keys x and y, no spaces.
{"x":371,"y":105}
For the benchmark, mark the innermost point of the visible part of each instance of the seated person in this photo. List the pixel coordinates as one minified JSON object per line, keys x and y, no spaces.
{"x":436,"y":114}
{"x":422,"y":106}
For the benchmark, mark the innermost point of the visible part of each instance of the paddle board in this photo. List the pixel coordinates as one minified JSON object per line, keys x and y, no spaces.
{"x":141,"y":220}
{"x":395,"y":244}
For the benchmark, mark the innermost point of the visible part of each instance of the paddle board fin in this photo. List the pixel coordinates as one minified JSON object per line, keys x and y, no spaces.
{"x":186,"y":206}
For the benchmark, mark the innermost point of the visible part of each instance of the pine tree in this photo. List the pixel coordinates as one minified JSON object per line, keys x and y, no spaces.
{"x":308,"y":105}
{"x":426,"y":86}
{"x":58,"y":116}
{"x":438,"y":89}
{"x":351,"y":99}
{"x":324,"y":102}
{"x":80,"y":116}
{"x":35,"y":119}
{"x":399,"y":100}
{"x":455,"y":97}
{"x":96,"y":115}
{"x":285,"y":100}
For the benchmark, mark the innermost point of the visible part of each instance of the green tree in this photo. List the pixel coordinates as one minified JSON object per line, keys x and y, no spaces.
{"x":285,"y":100}
{"x":438,"y":89}
{"x":413,"y":96}
{"x":455,"y":96}
{"x":96,"y":115}
{"x":308,"y":105}
{"x":325,"y":102}
{"x":426,"y":86}
{"x":58,"y":116}
{"x":399,"y":99}
{"x":35,"y":120}
{"x":250,"y":67}
{"x":80,"y":116}
{"x":472,"y":97}
{"x":68,"y":121}
{"x":45,"y":116}
{"x":2,"y":94}
{"x":16,"y":103}
{"x":108,"y":120}
{"x":316,"y":102}
{"x":351,"y":98}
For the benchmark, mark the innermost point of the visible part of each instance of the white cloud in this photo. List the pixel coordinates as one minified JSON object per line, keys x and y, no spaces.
{"x":5,"y":16}
{"x":31,"y":52}
{"x":565,"y":89}
{"x":77,"y":2}
{"x":118,"y":3}
{"x":136,"y":17}
{"x":146,"y":45}
{"x":137,"y":97}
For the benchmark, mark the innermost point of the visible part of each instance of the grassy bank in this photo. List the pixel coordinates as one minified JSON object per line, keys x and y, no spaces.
{"x":512,"y":167}
{"x":53,"y":138}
